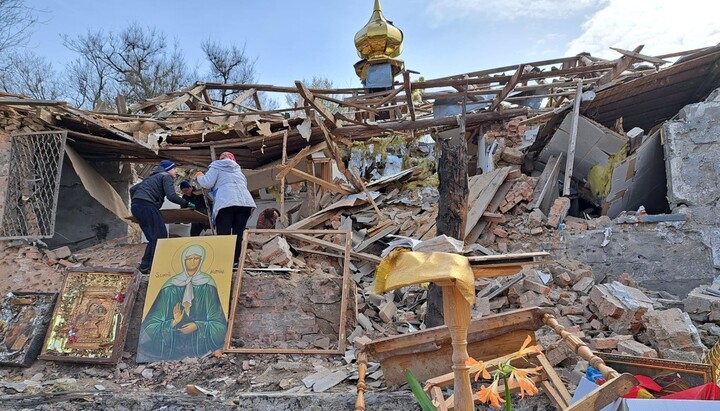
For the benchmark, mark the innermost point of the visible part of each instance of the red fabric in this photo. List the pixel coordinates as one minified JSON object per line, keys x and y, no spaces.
{"x":645,"y":382}
{"x":709,"y":391}
{"x":227,"y":154}
{"x":648,"y":383}
{"x":267,"y":219}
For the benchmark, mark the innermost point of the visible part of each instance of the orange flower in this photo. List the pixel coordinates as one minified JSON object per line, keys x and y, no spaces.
{"x":521,"y":377}
{"x":478,"y":367}
{"x":489,"y":394}
{"x":525,"y":350}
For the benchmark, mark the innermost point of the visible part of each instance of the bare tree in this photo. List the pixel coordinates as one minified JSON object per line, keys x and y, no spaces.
{"x":16,"y":21}
{"x":228,"y":64}
{"x":136,"y":62}
{"x":31,"y":75}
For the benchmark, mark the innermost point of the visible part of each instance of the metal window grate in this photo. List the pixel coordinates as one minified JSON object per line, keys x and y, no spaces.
{"x":33,"y":184}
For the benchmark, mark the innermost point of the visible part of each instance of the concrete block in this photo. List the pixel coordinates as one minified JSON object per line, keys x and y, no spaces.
{"x":673,"y":330}
{"x":62,"y":252}
{"x":512,"y":155}
{"x":620,"y":307}
{"x":699,"y":303}
{"x":276,"y":251}
{"x":632,"y":347}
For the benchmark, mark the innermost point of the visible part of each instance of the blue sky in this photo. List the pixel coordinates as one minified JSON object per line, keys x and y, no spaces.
{"x":295,"y":39}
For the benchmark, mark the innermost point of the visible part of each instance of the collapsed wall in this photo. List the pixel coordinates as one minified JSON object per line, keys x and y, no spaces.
{"x":692,"y":159}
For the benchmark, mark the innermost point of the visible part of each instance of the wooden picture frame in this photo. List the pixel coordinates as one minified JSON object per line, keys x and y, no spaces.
{"x":92,"y":315}
{"x":694,"y":373}
{"x":24,"y":317}
{"x":303,"y":236}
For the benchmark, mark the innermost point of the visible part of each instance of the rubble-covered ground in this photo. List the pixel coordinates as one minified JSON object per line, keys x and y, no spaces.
{"x":615,"y":315}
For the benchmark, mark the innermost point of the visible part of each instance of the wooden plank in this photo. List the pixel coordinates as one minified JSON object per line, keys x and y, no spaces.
{"x":408,"y":95}
{"x":637,"y":56}
{"x":239,"y":99}
{"x":320,"y":182}
{"x":547,"y":179}
{"x":605,"y":394}
{"x":555,"y":380}
{"x":365,"y":190}
{"x":553,"y":395}
{"x":499,"y":197}
{"x":361,"y":256}
{"x":508,"y":88}
{"x":437,"y":395}
{"x":623,"y":64}
{"x":570,"y":162}
{"x":472,"y":119}
{"x":309,"y":98}
{"x":485,"y":196}
{"x":380,"y":234}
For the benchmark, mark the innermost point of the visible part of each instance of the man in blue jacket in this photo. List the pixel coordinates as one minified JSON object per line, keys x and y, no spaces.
{"x":147,"y":197}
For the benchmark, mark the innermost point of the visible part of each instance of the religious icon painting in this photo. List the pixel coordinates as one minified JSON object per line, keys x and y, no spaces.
{"x":188,"y":297}
{"x":24,"y":318}
{"x":92,"y":315}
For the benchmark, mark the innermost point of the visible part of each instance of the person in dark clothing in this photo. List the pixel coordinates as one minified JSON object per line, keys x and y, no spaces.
{"x":198,"y":199}
{"x":147,"y":197}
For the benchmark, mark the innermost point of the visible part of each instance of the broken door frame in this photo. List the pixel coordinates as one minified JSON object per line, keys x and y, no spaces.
{"x":344,"y":299}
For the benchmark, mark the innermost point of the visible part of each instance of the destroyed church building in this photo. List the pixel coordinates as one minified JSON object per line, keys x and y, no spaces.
{"x":610,"y":166}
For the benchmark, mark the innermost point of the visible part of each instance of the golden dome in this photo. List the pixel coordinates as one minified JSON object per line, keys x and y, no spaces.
{"x":379,"y":38}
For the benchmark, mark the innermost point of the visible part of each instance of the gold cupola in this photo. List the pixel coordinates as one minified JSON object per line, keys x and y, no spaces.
{"x":378,"y":39}
{"x":378,"y":44}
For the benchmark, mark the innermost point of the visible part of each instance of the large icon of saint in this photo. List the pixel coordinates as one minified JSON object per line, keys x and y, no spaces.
{"x":186,"y":318}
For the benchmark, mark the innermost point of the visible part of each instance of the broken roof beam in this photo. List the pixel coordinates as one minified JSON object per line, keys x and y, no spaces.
{"x":541,"y":63}
{"x":277,"y":89}
{"x":508,"y":88}
{"x":597,"y":67}
{"x":408,"y":95}
{"x":426,"y":123}
{"x":308,"y":96}
{"x":165,"y":109}
{"x":622,"y":64}
{"x":637,"y":56}
{"x":239,"y":99}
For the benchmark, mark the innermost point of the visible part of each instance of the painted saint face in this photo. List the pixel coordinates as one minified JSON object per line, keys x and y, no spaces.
{"x":192,"y":263}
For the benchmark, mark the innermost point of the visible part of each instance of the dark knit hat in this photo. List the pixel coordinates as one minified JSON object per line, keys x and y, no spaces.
{"x":185,"y":184}
{"x":167,"y":165}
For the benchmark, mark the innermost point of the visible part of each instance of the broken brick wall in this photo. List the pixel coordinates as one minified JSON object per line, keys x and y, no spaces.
{"x":288,"y":311}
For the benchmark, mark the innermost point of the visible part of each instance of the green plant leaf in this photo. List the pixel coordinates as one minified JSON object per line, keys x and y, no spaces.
{"x":421,"y":396}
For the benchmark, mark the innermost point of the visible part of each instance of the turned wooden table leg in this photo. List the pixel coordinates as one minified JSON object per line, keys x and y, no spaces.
{"x":361,"y":386}
{"x":456,"y":311}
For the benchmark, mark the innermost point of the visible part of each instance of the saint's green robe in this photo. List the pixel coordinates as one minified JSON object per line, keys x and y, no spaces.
{"x":159,"y":341}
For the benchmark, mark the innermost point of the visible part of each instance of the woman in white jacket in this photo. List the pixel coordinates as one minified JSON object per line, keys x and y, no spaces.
{"x":233,"y":202}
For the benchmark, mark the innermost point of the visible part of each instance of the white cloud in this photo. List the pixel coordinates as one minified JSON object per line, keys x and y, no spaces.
{"x":447,"y":10}
{"x":663,"y":26}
